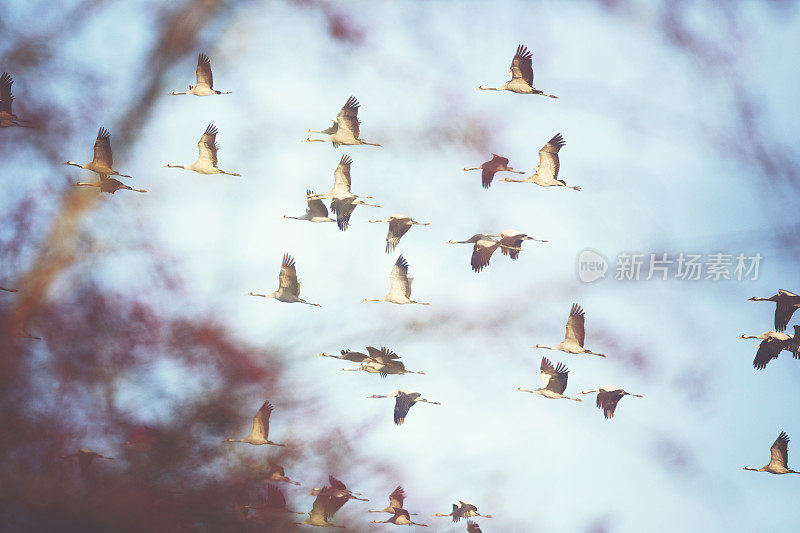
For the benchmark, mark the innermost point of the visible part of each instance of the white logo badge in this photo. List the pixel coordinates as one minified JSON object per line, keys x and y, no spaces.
{"x":591,"y":266}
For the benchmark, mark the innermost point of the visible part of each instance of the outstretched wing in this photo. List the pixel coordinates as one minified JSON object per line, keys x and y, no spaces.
{"x":482,"y":254}
{"x":261,"y":421}
{"x":784,"y":312}
{"x":548,"y":157}
{"x":207,"y":146}
{"x":204,"y":76}
{"x":399,"y":281}
{"x":768,"y":350}
{"x":275,"y":498}
{"x":397,"y":497}
{"x":341,"y":176}
{"x":575,"y":326}
{"x":344,"y":209}
{"x":607,"y":401}
{"x":522,"y":65}
{"x":473,"y":527}
{"x":322,"y":506}
{"x":397,"y":228}
{"x":287,"y":279}
{"x":316,"y":207}
{"x":347,"y":119}
{"x":553,"y":378}
{"x":5,"y":93}
{"x":489,"y":169}
{"x":779,"y":452}
{"x":383,"y":356}
{"x":102,"y":149}
{"x":402,"y":404}
{"x":487,"y":175}
{"x":336,"y":484}
{"x":510,"y":244}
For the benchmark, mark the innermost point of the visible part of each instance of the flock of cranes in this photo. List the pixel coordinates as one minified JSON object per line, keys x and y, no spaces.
{"x":345,"y":131}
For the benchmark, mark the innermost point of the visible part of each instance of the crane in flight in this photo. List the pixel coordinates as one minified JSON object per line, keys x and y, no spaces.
{"x":511,"y":242}
{"x":772,"y":344}
{"x":546,"y":174}
{"x":398,"y":226}
{"x":554,"y":381}
{"x":345,"y":129}
{"x":575,"y":335}
{"x":521,"y":72}
{"x":400,"y":517}
{"x":608,"y":397}
{"x":288,"y":285}
{"x":491,"y":167}
{"x":482,"y":251}
{"x":207,"y":148}
{"x":204,"y":85}
{"x":400,"y":285}
{"x":316,"y":210}
{"x":778,"y":457}
{"x":103,"y":160}
{"x":464,"y":510}
{"x":108,"y":185}
{"x":404,"y":400}
{"x":259,"y":433}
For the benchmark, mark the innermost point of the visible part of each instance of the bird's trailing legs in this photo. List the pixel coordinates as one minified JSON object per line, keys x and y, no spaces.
{"x":229,"y":173}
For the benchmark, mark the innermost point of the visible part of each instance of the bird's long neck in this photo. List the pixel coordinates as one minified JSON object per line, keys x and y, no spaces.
{"x":74,"y":164}
{"x":472,"y":168}
{"x":589,"y":391}
{"x":370,"y":144}
{"x":482,"y":88}
{"x":173,"y":165}
{"x":543,"y":346}
{"x":82,"y":184}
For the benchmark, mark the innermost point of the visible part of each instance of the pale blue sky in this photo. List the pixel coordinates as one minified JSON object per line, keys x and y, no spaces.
{"x":648,"y":130}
